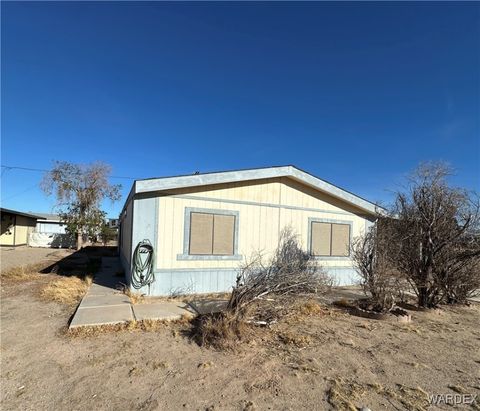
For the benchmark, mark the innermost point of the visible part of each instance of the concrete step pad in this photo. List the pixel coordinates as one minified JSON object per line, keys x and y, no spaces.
{"x":102,"y":315}
{"x":97,"y":289}
{"x":104,"y":304}
{"x":162,"y":311}
{"x":92,"y":300}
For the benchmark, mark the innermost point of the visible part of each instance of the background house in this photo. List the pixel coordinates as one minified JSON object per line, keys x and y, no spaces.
{"x":16,"y":227}
{"x":50,"y":224}
{"x":113,"y":223}
{"x":203,"y":226}
{"x":50,"y":232}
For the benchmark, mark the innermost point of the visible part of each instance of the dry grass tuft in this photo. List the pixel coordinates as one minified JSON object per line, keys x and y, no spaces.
{"x":342,"y":394}
{"x":293,"y":338}
{"x":149,"y":325}
{"x":135,"y":298}
{"x":66,"y":290}
{"x":23,"y":273}
{"x":93,"y":331}
{"x":310,"y":308}
{"x":415,"y":399}
{"x":129,"y":326}
{"x":221,"y":331}
{"x":185,"y":319}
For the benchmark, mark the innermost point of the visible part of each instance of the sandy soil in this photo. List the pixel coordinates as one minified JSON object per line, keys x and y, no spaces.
{"x":329,"y":353}
{"x":13,"y":257}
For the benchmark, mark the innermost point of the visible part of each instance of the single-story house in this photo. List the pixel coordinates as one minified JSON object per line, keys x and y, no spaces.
{"x":203,"y":226}
{"x":50,"y":232}
{"x":50,"y":224}
{"x":16,"y":227}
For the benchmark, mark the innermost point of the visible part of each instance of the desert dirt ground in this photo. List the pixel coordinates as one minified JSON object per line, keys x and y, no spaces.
{"x":13,"y":257}
{"x":326,"y":360}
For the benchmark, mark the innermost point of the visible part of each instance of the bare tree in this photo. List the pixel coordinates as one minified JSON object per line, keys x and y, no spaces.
{"x":79,"y":190}
{"x":434,"y":237}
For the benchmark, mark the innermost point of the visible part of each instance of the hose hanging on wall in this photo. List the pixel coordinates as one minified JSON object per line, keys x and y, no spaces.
{"x":142,"y":270}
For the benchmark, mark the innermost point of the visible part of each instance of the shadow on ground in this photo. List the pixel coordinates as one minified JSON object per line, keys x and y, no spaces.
{"x":84,"y":262}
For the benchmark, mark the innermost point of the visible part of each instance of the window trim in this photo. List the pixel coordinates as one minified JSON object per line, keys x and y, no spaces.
{"x":312,"y":220}
{"x":186,"y":235}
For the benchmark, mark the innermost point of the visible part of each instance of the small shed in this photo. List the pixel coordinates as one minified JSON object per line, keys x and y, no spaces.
{"x":201,"y":227}
{"x":16,"y":226}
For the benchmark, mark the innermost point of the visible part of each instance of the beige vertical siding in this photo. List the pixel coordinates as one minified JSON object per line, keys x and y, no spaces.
{"x":7,"y":236}
{"x":265,"y":207}
{"x":23,"y":228}
{"x":263,"y":191}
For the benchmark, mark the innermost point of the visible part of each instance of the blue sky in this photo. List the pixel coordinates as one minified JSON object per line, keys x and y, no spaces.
{"x":355,"y":93}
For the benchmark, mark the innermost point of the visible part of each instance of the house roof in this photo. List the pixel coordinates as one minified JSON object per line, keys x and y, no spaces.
{"x":21,"y":213}
{"x":49,"y":216}
{"x":185,"y":181}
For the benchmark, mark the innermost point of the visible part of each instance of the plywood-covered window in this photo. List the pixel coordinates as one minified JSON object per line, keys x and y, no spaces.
{"x":211,"y":234}
{"x":330,"y":239}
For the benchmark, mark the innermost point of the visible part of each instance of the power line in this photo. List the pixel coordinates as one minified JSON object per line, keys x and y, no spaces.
{"x":42,"y":170}
{"x":20,"y":193}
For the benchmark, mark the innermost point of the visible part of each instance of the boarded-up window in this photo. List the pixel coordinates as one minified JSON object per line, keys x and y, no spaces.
{"x":211,"y":234}
{"x":201,"y":233}
{"x":223,"y":234}
{"x":340,"y":240}
{"x":330,"y":239}
{"x":321,"y":238}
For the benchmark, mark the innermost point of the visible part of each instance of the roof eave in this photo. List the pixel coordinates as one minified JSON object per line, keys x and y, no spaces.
{"x":20,"y":213}
{"x":197,"y":180}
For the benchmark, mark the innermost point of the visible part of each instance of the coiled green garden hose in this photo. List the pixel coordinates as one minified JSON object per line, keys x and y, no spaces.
{"x":142,"y":267}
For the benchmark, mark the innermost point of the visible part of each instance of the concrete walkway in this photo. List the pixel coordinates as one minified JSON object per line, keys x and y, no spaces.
{"x":105,"y":304}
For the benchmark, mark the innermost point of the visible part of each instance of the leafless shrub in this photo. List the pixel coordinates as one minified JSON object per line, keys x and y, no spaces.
{"x":370,"y":254}
{"x":291,"y":271}
{"x":430,"y":239}
{"x":265,"y":292}
{"x":435,"y":237}
{"x":285,"y":309}
{"x":460,"y":276}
